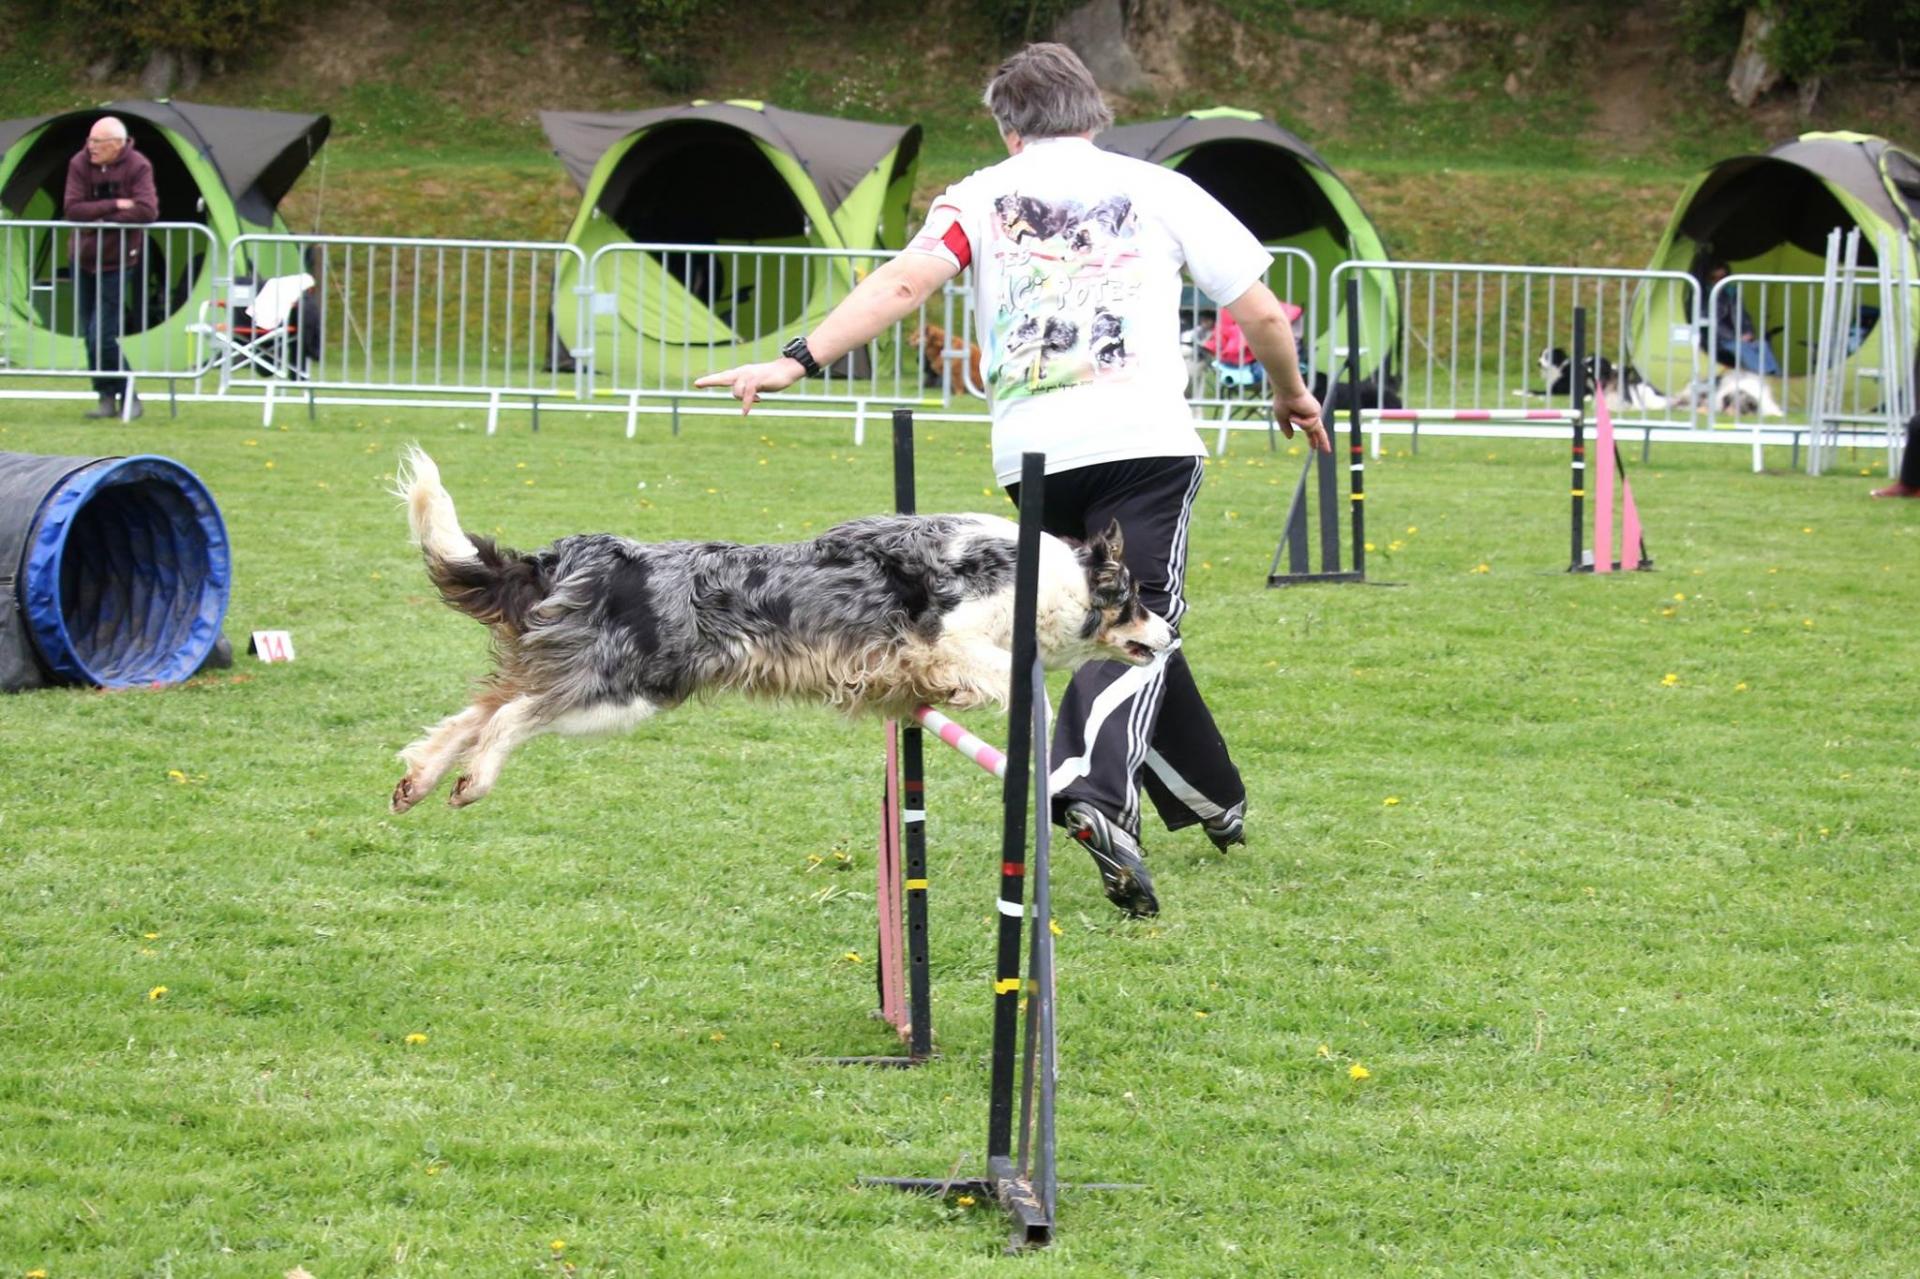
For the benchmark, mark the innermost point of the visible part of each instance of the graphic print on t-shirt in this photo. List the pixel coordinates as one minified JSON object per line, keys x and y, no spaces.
{"x":1067,"y":271}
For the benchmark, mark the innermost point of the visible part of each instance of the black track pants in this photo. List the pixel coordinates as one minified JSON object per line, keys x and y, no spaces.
{"x":1122,"y":725}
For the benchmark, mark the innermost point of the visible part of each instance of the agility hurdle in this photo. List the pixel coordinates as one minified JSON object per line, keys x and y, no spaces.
{"x":1021,"y":1174}
{"x":1294,"y":547}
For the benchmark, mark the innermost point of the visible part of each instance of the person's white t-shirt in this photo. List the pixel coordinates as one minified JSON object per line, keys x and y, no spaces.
{"x":1076,"y":256}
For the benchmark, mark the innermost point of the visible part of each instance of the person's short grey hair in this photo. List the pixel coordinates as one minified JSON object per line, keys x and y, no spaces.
{"x":109,"y":126}
{"x":1045,"y":91}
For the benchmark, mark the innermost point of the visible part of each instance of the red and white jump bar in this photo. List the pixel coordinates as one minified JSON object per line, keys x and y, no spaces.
{"x":987,"y":756}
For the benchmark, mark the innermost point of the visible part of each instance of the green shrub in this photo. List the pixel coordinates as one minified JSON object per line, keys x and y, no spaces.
{"x":208,"y":27}
{"x":1810,"y":37}
{"x":662,"y":36}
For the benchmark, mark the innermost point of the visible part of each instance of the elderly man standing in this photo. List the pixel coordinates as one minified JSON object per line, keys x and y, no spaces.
{"x":1076,"y":255}
{"x":108,"y":182}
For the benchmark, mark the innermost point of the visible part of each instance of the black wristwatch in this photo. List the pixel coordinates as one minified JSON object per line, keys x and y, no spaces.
{"x":797,"y":351}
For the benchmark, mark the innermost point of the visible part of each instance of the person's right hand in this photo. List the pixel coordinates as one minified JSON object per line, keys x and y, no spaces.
{"x":1299,"y":409}
{"x":749,"y":381}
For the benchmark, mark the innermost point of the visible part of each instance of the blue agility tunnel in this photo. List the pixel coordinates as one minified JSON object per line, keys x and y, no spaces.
{"x":115,"y":571}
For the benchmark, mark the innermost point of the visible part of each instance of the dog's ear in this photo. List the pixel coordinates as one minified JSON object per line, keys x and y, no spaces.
{"x":1107,"y":575}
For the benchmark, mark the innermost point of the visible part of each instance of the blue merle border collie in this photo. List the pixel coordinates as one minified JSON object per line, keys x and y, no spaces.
{"x":595,"y":633}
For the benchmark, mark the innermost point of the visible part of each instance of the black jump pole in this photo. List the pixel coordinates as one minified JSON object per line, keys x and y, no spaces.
{"x":913,"y":795}
{"x":1357,"y":458}
{"x":1007,"y":979}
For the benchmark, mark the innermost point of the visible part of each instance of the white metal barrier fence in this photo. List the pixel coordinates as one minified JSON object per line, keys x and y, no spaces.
{"x":64,"y":284}
{"x":1483,"y":338}
{"x":662,"y":315}
{"x":353,"y":318}
{"x":369,"y":314}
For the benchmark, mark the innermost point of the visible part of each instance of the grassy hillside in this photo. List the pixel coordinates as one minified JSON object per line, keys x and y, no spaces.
{"x":1514,"y":130}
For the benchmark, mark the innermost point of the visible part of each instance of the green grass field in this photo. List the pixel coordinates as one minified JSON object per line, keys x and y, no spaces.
{"x":1609,"y":885}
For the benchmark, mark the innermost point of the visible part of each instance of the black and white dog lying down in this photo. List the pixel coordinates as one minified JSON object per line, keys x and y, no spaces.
{"x":1624,"y":387}
{"x":595,"y":633}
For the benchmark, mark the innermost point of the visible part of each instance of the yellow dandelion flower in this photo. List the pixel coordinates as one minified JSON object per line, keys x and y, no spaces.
{"x":1370,"y":546}
{"x":558,"y":1245}
{"x":270,"y":464}
{"x":713,"y":490}
{"x":1483,"y":567}
{"x":1413,"y":528}
{"x":1199,"y":1013}
{"x":852,"y":957}
{"x":1806,"y":621}
{"x":1053,"y":926}
{"x":965,"y":1201}
{"x":519,"y":466}
{"x":1680,"y":596}
{"x":158,"y":992}
{"x":433,"y":1170}
{"x":1668,"y":612}
{"x":1326,"y":1052}
{"x":174,"y":774}
{"x":1358,"y":1072}
{"x":528,"y":483}
{"x":416,"y":1038}
{"x":1741,"y":687}
{"x":36,"y":1274}
{"x":1390,"y":801}
{"x":1806,"y":528}
{"x":151,"y":936}
{"x":1669,"y":680}
{"x":717,"y":1037}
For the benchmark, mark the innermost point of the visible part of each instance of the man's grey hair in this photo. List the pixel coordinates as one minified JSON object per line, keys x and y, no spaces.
{"x":109,"y":126}
{"x":1045,"y":91}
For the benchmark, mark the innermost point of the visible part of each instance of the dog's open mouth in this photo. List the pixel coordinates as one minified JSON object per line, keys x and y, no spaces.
{"x":1139,"y":653}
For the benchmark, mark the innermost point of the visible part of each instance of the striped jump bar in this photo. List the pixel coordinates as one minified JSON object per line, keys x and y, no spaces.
{"x":1471,"y":415}
{"x":987,"y":756}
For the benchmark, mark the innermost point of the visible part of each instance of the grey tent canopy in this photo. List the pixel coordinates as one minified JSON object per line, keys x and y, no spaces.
{"x":254,"y":156}
{"x":725,"y":173}
{"x":1770,"y":215}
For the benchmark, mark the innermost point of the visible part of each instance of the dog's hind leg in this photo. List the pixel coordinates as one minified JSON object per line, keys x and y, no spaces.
{"x":429,"y":758}
{"x":522,"y":718}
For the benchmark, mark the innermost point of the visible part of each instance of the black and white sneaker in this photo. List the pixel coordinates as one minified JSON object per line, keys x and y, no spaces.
{"x":1229,"y":828}
{"x":1122,"y":867}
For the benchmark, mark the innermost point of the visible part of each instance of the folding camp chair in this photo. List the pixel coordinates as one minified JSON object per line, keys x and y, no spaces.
{"x":269,"y":339}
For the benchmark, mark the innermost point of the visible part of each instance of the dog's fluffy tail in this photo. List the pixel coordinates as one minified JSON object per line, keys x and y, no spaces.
{"x":436,"y":527}
{"x":486,"y":581}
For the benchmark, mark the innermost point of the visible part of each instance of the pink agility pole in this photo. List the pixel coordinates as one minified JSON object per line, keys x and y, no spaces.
{"x":893,"y":997}
{"x":1469,"y":415}
{"x":1602,"y":475}
{"x":986,"y":756}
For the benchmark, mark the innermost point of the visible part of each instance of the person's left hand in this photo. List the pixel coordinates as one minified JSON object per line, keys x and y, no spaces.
{"x":1300,"y":409}
{"x":749,"y":381}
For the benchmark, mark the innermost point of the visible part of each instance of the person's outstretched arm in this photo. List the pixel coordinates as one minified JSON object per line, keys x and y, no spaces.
{"x":894,"y":290}
{"x":1260,"y":316}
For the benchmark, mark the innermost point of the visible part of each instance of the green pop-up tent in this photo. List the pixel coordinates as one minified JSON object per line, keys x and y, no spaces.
{"x":1771,"y":214}
{"x":721,"y":173}
{"x":1286,"y":195}
{"x":224,"y":167}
